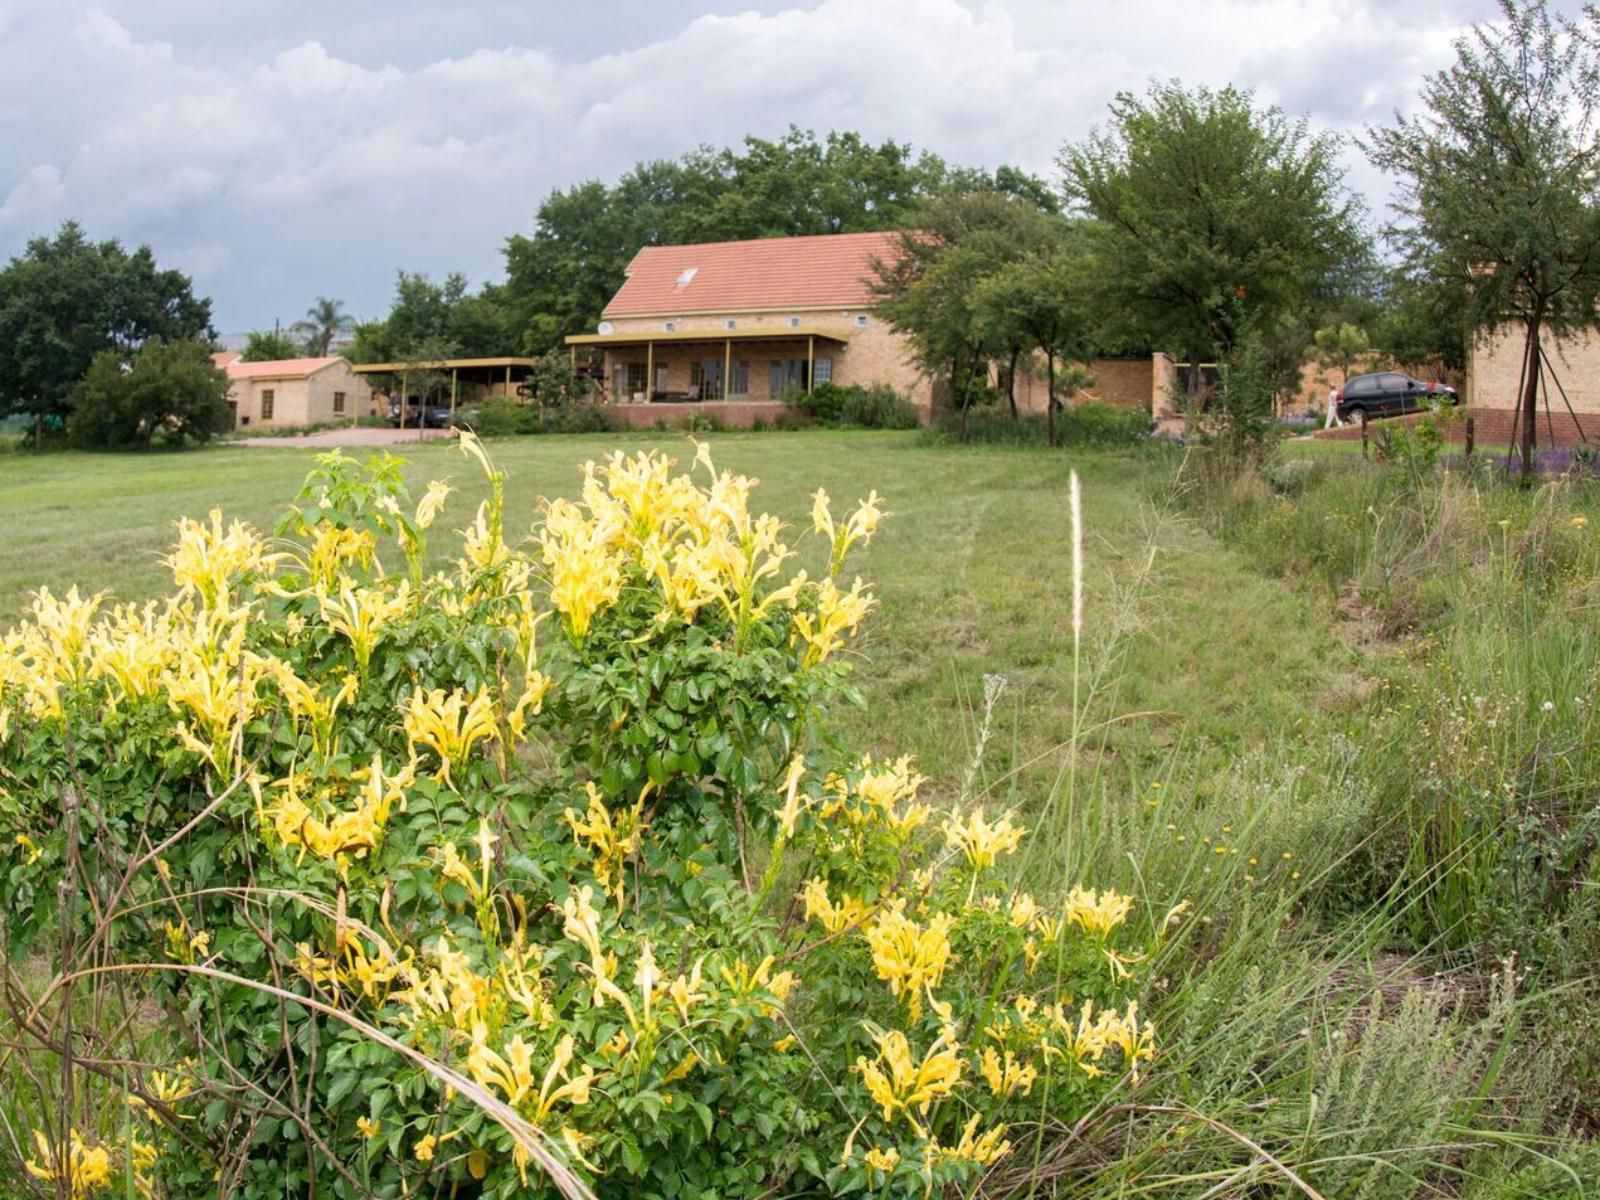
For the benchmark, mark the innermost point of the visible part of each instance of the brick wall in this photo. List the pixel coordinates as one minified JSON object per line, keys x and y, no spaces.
{"x":1495,"y":428}
{"x":740,"y":414}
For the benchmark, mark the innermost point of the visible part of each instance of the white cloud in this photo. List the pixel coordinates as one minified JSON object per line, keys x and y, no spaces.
{"x":282,"y":171}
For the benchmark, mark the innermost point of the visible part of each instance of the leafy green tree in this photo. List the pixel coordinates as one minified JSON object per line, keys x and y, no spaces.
{"x":1210,"y":216}
{"x":270,"y":345}
{"x":932,"y":290}
{"x":324,"y":321}
{"x":429,"y":320}
{"x":170,"y":390}
{"x":559,"y":278}
{"x":1038,"y":303}
{"x":1338,"y":349}
{"x":65,"y":299}
{"x":1500,"y":181}
{"x":1425,"y":319}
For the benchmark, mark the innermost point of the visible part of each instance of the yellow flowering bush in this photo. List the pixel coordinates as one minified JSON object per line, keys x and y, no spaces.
{"x":431,"y":904}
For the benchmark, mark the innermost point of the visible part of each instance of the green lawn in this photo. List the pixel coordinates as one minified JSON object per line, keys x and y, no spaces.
{"x":973,"y":575}
{"x":1297,"y":784}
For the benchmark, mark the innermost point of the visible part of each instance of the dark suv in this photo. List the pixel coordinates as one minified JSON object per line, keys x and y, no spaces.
{"x":434,"y":416}
{"x":1389,"y":394}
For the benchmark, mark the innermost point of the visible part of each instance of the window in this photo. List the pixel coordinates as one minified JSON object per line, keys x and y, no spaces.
{"x":705,"y":380}
{"x":794,"y":322}
{"x":672,"y":326}
{"x":732,"y":324}
{"x":628,"y":379}
{"x":739,"y":381}
{"x":861,"y":320}
{"x":824,"y":371}
{"x":338,"y":402}
{"x":266,"y":404}
{"x":788,"y":375}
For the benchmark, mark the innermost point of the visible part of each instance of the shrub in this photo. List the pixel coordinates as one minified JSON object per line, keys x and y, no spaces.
{"x":856,"y":406}
{"x":547,"y":871}
{"x":499,"y":417}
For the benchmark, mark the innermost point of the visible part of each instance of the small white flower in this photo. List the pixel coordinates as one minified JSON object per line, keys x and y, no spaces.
{"x":1549,"y":706}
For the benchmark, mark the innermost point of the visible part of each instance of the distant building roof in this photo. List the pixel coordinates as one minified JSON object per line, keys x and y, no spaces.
{"x":225,"y":358}
{"x":830,"y":270}
{"x":278,"y":368}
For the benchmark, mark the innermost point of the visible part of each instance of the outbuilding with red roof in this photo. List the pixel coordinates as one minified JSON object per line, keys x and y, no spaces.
{"x":291,"y":393}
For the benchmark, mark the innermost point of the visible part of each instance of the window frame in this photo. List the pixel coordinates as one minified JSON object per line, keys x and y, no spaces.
{"x":269,"y":399}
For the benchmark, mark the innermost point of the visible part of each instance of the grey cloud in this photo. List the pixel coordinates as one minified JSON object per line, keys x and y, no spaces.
{"x":286,"y":151}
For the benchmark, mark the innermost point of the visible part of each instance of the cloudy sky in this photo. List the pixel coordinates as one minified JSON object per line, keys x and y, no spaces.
{"x":297,"y":148}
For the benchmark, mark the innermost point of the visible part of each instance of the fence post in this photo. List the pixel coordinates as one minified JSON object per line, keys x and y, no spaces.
{"x":1471,"y":437}
{"x":1363,"y":439}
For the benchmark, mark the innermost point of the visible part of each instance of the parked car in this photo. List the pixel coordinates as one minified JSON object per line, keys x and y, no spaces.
{"x":1389,"y":394}
{"x":434,"y":416}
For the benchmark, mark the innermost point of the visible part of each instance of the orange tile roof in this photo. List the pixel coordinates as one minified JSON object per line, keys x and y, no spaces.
{"x":771,"y":274}
{"x":280,"y":368}
{"x":224,"y":357}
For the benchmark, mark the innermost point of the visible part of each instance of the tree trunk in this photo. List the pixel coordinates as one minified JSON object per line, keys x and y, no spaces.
{"x":1011,"y":381}
{"x":961,"y":382}
{"x":1528,"y":405}
{"x":38,"y":431}
{"x":1192,"y":386}
{"x":1050,"y":397}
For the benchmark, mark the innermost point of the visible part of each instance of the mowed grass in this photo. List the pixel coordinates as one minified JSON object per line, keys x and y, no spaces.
{"x":972,"y":573}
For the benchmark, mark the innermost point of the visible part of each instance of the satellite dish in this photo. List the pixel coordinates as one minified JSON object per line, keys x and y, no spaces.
{"x":607,"y":327}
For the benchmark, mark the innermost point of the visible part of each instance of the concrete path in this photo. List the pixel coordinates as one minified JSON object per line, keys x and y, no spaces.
{"x":357,"y":435}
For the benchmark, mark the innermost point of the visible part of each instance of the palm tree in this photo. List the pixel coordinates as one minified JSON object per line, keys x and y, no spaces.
{"x":324,"y":321}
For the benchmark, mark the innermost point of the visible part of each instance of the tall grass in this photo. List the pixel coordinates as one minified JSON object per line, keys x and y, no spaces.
{"x":1342,"y":1010}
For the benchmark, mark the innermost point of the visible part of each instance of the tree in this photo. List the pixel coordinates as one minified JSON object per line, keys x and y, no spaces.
{"x":1425,"y":320}
{"x":1500,"y":181}
{"x":270,"y":346}
{"x":1038,"y":303}
{"x":168,"y":389}
{"x":1210,"y":217}
{"x":64,"y":300}
{"x":559,"y":278}
{"x":1338,"y":348}
{"x":931,"y":289}
{"x":324,"y":321}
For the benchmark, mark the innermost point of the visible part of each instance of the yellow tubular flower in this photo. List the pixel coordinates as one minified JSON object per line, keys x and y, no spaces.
{"x":838,"y":613}
{"x":429,"y":506}
{"x":898,"y":1084}
{"x":332,"y":548}
{"x":207,"y":560}
{"x":982,"y":1150}
{"x":1007,"y":1076}
{"x":585,"y":571}
{"x":560,"y":1084}
{"x":981,"y":842}
{"x":685,"y":992}
{"x":1095,"y":913}
{"x":82,"y":1168}
{"x":449,"y":725}
{"x":362,"y":615}
{"x":908,"y":957}
{"x":610,"y":839}
{"x":834,"y":917}
{"x":133,"y":649}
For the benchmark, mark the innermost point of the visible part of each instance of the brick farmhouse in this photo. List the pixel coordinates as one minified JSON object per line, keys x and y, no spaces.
{"x":730,"y":327}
